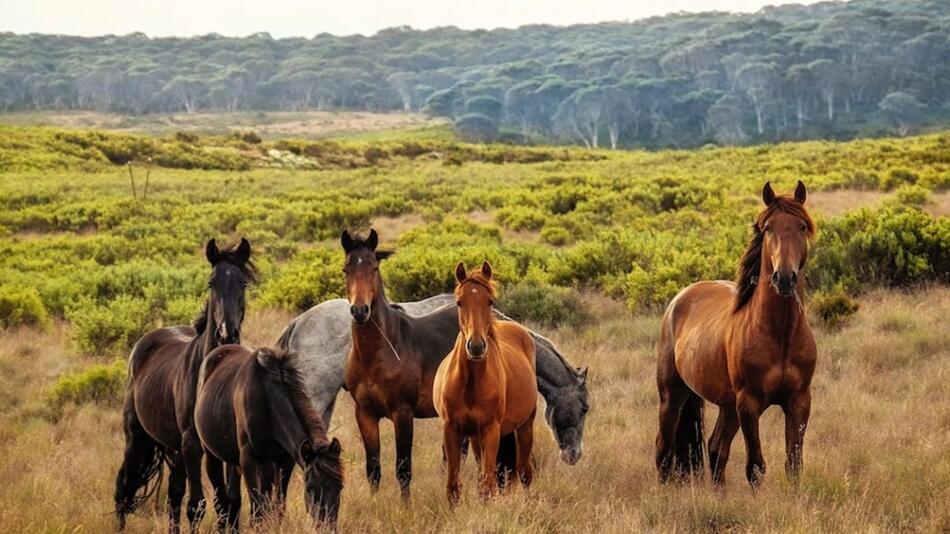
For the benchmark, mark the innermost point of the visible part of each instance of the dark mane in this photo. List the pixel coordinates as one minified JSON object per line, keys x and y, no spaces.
{"x":751,"y":262}
{"x":282,"y":369}
{"x":201,"y":321}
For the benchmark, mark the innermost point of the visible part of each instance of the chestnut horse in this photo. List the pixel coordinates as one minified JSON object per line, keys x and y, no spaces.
{"x":743,"y":346}
{"x":253,"y":411}
{"x":160,"y":398}
{"x":487,"y":386}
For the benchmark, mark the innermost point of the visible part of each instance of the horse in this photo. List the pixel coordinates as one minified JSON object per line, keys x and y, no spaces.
{"x":321,"y":339}
{"x":487,"y":386}
{"x":252,"y":411}
{"x":157,"y":414}
{"x":743,"y":346}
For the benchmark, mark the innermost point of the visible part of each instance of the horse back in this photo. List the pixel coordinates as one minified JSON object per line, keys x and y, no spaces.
{"x":692,"y":338}
{"x":215,"y":411}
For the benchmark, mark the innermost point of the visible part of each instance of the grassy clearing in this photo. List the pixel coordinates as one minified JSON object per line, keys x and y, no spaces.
{"x":875,"y":452}
{"x":269,"y":124}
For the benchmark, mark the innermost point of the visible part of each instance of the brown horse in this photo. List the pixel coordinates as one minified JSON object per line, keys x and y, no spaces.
{"x":487,"y":386}
{"x":160,"y":398}
{"x":743,"y":346}
{"x":252,"y":411}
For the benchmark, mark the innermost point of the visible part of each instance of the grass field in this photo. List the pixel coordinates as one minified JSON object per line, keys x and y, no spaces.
{"x":269,"y":124}
{"x":589,"y":246}
{"x":875,"y":456}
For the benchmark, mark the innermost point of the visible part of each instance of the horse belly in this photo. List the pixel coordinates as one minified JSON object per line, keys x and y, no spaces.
{"x":701,"y":363}
{"x":155,"y":407}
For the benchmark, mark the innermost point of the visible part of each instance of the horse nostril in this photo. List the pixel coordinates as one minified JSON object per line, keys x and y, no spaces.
{"x":793,"y":278}
{"x":775,"y":278}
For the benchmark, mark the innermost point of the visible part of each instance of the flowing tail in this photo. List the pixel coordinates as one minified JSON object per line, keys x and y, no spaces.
{"x":688,"y":456}
{"x":141,"y":471}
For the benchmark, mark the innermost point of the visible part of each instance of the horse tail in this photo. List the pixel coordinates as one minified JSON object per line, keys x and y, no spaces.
{"x":141,"y":472}
{"x":688,"y":456}
{"x":284,"y":340}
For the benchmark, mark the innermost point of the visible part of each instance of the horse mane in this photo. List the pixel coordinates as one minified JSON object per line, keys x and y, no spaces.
{"x":281,"y":368}
{"x":751,"y":262}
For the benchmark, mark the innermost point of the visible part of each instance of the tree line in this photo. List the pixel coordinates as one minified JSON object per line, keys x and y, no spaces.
{"x":830,"y":70}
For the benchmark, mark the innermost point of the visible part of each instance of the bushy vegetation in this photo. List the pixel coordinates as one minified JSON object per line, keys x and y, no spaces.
{"x":827,"y":70}
{"x":637,"y":226}
{"x":100,"y":383}
{"x":545,"y":305}
{"x":834,"y":308}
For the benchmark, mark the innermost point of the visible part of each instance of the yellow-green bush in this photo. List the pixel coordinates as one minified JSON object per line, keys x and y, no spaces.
{"x":111,"y":328}
{"x":100,"y":383}
{"x":21,"y":307}
{"x":833,"y":308}
{"x":543,"y":304}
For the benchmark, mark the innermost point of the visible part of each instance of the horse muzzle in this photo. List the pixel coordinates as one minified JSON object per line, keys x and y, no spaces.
{"x":785,"y":282}
{"x":476,"y":350}
{"x":360,"y":314}
{"x":571,"y":455}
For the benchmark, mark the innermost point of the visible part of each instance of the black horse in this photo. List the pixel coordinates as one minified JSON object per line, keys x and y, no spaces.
{"x":158,"y":414}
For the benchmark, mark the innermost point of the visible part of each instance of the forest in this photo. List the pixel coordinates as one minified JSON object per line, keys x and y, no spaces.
{"x":831,"y":70}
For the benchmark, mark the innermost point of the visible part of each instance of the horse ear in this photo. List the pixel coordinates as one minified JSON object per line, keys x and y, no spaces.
{"x":347,"y":241}
{"x":333,"y":448}
{"x":306,"y":451}
{"x":460,"y":272}
{"x":800,"y":192}
{"x":486,"y":268}
{"x":212,"y":253}
{"x":768,"y":195}
{"x":582,"y":378}
{"x":372,"y":240}
{"x":383,"y":254}
{"x":244,"y":251}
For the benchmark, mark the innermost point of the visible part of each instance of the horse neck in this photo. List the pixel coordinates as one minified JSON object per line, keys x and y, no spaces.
{"x":781,"y":317}
{"x":382,"y":329}
{"x":553,"y":371}
{"x":289,"y":430}
{"x":204,"y":343}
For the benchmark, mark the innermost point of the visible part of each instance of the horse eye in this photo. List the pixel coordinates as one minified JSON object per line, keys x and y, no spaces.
{"x":458,"y":303}
{"x":803,"y":227}
{"x":491,"y":302}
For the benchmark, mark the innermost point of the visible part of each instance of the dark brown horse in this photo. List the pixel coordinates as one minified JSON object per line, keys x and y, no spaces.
{"x":253,"y":411}
{"x":160,"y":399}
{"x":743,"y":346}
{"x":487,"y":386}
{"x":393,"y":361}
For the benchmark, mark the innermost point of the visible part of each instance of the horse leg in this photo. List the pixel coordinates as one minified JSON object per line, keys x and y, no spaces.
{"x":142,"y":462}
{"x":749,"y":407}
{"x":452,"y":447}
{"x":402,"y":422}
{"x":507,"y":459}
{"x":727,"y":424}
{"x":673,"y":396}
{"x":797,"y":410}
{"x":525,"y":441}
{"x":192,"y":451}
{"x":176,"y":492}
{"x":222,"y":506}
{"x":488,"y":438}
{"x":251,"y":470}
{"x":286,"y":470}
{"x":268,"y":472}
{"x":369,"y":431}
{"x":234,"y":496}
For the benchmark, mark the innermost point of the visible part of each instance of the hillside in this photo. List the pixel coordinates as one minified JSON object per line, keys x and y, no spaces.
{"x":828,"y":70}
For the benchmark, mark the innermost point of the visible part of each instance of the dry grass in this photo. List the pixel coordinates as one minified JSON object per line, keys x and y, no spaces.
{"x":876,"y":452}
{"x":271,"y":124}
{"x":835,"y":202}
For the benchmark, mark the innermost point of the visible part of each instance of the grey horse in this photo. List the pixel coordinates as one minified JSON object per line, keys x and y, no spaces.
{"x":321,"y":338}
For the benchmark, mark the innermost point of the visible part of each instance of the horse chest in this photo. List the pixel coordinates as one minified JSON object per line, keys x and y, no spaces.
{"x":383,"y":388}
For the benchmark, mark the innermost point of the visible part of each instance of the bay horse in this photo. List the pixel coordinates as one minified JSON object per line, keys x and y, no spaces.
{"x":486,"y":387}
{"x":321,"y":339}
{"x":157,"y":414}
{"x":253,"y":411}
{"x":743,"y":346}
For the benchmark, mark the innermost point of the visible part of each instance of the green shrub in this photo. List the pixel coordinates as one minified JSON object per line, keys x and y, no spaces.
{"x":890,"y":247}
{"x":543,"y":304}
{"x":308,"y":279}
{"x":99,"y":383}
{"x":897,"y":177}
{"x":110,"y":328}
{"x":912,"y":195}
{"x":21,"y":307}
{"x":556,"y":235}
{"x":521,"y":218}
{"x":833,"y":308}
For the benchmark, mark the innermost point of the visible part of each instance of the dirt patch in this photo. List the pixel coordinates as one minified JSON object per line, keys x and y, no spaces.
{"x":836,"y":202}
{"x":390,"y":228}
{"x":939,"y":205}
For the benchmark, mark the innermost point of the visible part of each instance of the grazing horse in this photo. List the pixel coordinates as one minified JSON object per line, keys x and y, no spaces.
{"x":743,"y":346}
{"x":486,"y":387}
{"x":252,"y":411}
{"x":320,"y":337}
{"x":160,"y":397}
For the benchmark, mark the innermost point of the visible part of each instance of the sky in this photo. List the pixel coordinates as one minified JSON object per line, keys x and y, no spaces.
{"x":301,"y":18}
